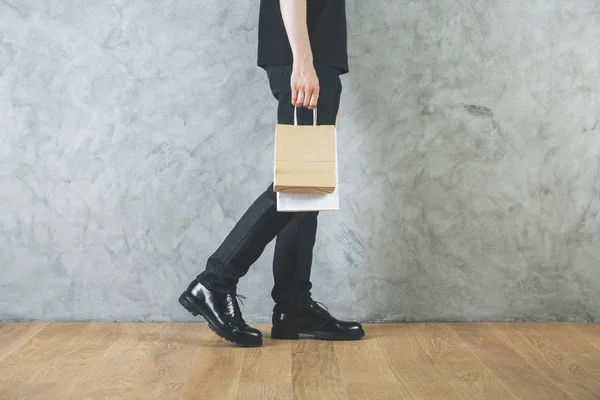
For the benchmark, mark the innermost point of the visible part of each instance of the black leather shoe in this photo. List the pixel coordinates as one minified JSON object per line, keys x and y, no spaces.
{"x":315,"y":321}
{"x":222,"y":313}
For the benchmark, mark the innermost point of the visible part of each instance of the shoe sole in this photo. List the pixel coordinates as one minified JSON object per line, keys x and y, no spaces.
{"x":189,"y":305}
{"x":292,"y":334}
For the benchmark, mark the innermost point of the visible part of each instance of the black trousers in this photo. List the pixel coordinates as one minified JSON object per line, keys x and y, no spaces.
{"x":261,"y":223}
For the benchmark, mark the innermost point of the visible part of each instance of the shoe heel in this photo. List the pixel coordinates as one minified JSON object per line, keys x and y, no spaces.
{"x":188,"y":305}
{"x":284,"y":333}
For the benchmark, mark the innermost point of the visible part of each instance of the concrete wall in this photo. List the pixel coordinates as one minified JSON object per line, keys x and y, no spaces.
{"x":133,"y":134}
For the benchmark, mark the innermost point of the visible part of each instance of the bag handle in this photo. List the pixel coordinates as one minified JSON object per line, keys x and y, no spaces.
{"x":296,"y":116}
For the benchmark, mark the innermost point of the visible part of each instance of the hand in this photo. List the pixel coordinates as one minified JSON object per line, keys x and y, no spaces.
{"x":305,"y":85}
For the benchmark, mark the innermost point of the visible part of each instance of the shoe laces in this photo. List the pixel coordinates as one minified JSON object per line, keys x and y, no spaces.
{"x":234,"y":308}
{"x":240,"y":297}
{"x":322,"y":307}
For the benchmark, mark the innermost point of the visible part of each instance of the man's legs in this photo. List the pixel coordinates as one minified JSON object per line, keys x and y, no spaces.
{"x":244,"y":244}
{"x":293,"y":256}
{"x":212,"y":294}
{"x":295,"y":313}
{"x":292,"y":261}
{"x":261,"y":222}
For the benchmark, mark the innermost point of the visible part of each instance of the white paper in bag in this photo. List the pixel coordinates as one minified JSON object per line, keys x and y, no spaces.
{"x":297,"y":202}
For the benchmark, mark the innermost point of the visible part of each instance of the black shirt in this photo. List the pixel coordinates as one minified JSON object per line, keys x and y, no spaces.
{"x":326,"y":22}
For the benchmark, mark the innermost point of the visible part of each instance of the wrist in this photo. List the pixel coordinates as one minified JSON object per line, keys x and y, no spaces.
{"x":303,"y":59}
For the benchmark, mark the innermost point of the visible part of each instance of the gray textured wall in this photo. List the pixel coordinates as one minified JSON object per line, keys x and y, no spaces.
{"x":133,"y":134}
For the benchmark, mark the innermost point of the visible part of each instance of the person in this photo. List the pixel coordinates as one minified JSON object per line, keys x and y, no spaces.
{"x":302,"y":46}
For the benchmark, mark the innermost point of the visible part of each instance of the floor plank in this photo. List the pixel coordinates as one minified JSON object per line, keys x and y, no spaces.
{"x":216,"y":370}
{"x":591,"y":332}
{"x":164,"y":372}
{"x":413,"y":361}
{"x":267,"y":372}
{"x":40,"y":354}
{"x":518,"y":375}
{"x":123,"y":359}
{"x":580,"y":349}
{"x":15,"y":335}
{"x":363,"y":361}
{"x":411,"y":364}
{"x":459,"y":366}
{"x":316,"y":371}
{"x":552,"y":362}
{"x":406,"y":357}
{"x":440,"y":390}
{"x":377,"y":391}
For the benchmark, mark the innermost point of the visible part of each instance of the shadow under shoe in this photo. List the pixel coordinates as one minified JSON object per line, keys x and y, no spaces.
{"x":222,"y":313}
{"x":314,"y":321}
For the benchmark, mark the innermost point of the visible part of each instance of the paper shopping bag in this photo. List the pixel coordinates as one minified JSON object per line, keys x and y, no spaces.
{"x":305,"y":158}
{"x":299,"y":202}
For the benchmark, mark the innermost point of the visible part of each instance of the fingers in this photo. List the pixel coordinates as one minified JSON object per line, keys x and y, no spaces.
{"x":313,"y":100}
{"x":294,"y":95}
{"x":311,"y":96}
{"x":306,"y":95}
{"x":300,"y":101}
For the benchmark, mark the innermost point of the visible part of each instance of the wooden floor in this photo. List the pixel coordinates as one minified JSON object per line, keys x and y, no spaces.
{"x":394,"y":361}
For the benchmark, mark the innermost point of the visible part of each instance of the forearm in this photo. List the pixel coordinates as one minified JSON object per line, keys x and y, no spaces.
{"x":294,"y":19}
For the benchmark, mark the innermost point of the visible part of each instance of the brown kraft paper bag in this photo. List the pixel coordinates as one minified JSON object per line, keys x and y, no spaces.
{"x":305,"y":157}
